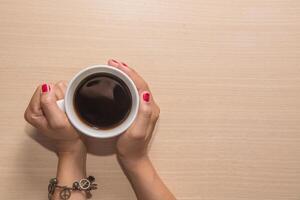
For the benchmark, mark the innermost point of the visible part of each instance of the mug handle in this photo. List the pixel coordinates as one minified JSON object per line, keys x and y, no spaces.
{"x":61,"y":104}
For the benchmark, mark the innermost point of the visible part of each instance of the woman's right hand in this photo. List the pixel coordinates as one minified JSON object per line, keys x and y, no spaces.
{"x":44,"y":114}
{"x":132,"y":145}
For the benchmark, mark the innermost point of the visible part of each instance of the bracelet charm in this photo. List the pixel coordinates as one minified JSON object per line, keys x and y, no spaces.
{"x":65,"y":193}
{"x":85,"y":184}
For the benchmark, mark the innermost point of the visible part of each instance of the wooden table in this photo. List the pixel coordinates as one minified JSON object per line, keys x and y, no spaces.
{"x":226,"y":75}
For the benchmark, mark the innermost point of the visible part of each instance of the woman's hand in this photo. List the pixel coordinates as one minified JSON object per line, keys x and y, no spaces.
{"x":132,"y":146}
{"x":44,"y":114}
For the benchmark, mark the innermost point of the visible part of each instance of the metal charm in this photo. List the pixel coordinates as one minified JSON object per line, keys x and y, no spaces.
{"x":53,"y":181}
{"x":49,"y":196}
{"x":93,"y":186}
{"x":51,"y":188}
{"x":91,"y":179}
{"x":84,"y":184}
{"x":88,"y":194}
{"x":65,"y":194}
{"x":76,"y":185}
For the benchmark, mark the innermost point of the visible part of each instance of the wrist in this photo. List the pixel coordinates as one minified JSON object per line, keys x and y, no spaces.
{"x":74,"y":148}
{"x":71,"y":167}
{"x":71,"y":154}
{"x":134,"y":163}
{"x":139,"y":170}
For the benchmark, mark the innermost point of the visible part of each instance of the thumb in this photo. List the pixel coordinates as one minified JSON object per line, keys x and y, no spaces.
{"x":143,"y":119}
{"x":55,"y":116}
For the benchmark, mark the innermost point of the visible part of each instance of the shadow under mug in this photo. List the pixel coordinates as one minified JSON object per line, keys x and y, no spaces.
{"x":67,"y":104}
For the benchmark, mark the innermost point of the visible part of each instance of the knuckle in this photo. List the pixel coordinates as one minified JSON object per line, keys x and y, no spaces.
{"x":57,"y":125}
{"x":146,"y":111}
{"x":156,"y":115}
{"x":158,"y":109}
{"x":61,"y":84}
{"x":137,"y":135}
{"x":27,"y":116}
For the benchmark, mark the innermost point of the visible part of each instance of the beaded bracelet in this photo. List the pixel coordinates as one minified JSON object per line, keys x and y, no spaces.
{"x":86,"y":185}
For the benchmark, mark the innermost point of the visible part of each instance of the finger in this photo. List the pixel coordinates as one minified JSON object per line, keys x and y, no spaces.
{"x":60,"y":89}
{"x":34,"y":104}
{"x":56,"y":118}
{"x":143,"y":120}
{"x":136,"y":78}
{"x":156,"y":110}
{"x":33,"y":113}
{"x":62,"y":85}
{"x":154,"y":119}
{"x":37,"y":120}
{"x":59,"y":94}
{"x":114,"y":63}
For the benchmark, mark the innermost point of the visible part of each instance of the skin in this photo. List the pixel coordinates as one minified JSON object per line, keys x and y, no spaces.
{"x":132,"y":146}
{"x":44,"y":114}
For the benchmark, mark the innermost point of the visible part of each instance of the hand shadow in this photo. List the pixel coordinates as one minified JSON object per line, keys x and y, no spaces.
{"x":99,"y":147}
{"x":95,"y":146}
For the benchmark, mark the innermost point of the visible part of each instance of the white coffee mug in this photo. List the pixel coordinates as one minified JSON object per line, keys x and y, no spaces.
{"x":67,"y":104}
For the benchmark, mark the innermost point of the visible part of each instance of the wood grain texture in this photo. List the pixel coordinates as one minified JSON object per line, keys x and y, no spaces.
{"x":226,"y":75}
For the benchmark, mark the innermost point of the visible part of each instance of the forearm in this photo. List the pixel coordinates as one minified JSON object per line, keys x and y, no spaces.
{"x":145,"y":181}
{"x":70,"y":168}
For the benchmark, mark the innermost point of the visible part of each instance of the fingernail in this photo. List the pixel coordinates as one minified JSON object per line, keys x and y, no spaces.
{"x":124,"y":64}
{"x":45,"y":88}
{"x":146,"y":96}
{"x":114,"y":61}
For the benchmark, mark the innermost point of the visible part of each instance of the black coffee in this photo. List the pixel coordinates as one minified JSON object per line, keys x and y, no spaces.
{"x":102,"y":101}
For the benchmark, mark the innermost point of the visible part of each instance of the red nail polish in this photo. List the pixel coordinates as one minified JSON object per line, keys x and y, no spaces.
{"x":146,"y":96}
{"x":45,"y":88}
{"x":124,"y":64}
{"x":114,"y":61}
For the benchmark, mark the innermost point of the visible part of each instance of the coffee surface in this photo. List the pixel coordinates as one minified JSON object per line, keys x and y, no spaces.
{"x":102,"y":101}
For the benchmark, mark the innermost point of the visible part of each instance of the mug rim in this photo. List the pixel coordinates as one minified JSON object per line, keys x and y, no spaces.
{"x":83,"y":127}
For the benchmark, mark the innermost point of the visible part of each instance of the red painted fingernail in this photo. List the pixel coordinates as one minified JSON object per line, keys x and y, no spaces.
{"x":45,"y":88}
{"x":146,"y":96}
{"x":124,"y":64}
{"x":114,"y":61}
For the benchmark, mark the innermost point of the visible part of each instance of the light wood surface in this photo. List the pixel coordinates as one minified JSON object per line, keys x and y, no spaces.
{"x":226,"y":75}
